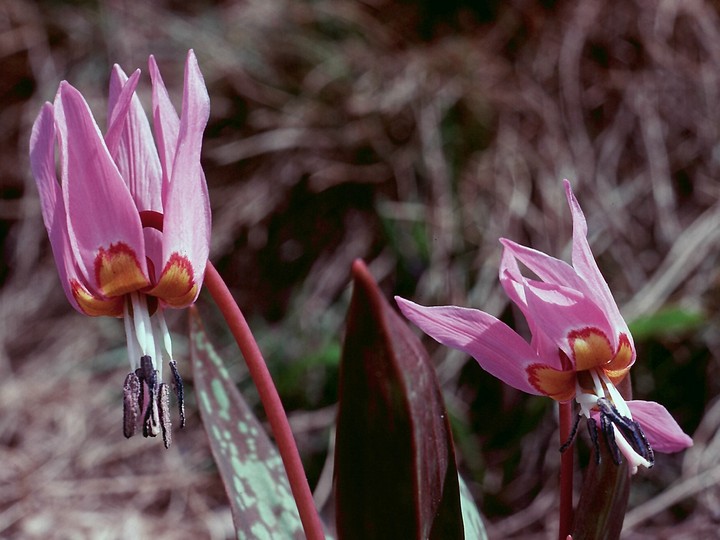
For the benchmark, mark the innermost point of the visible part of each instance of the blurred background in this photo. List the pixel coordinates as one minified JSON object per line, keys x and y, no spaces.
{"x":412,"y":134}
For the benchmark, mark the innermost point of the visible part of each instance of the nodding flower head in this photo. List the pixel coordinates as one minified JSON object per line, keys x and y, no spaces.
{"x":581,"y":348}
{"x":128,"y":215}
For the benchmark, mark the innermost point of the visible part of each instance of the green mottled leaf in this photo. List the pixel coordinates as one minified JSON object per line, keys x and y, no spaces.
{"x":668,"y":321}
{"x":395,"y":472}
{"x":261,"y":502}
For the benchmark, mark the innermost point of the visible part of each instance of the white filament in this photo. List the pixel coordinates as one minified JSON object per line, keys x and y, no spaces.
{"x":132,"y":345}
{"x":143,"y":327}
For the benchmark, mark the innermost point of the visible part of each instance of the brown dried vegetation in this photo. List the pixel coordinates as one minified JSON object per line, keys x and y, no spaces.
{"x":409,"y":138}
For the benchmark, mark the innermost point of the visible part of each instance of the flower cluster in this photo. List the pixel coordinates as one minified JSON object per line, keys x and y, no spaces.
{"x":581,"y":348}
{"x":129,"y":218}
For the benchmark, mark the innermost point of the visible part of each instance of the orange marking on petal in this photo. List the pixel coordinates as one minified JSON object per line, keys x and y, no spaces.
{"x":554,"y":383}
{"x":618,"y":367}
{"x":176,"y":285}
{"x":183,"y":301}
{"x":95,"y":306}
{"x":591,"y":348}
{"x":117,"y":271}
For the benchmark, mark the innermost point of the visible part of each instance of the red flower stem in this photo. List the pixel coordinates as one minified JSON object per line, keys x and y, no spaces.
{"x":270,"y":401}
{"x":566,"y":471}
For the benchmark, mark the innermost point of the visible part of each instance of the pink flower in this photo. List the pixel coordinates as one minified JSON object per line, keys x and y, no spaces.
{"x":581,"y":347}
{"x":129,"y":217}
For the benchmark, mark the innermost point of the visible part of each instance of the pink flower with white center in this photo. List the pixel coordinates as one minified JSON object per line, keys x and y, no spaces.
{"x":581,"y":347}
{"x":128,"y":218}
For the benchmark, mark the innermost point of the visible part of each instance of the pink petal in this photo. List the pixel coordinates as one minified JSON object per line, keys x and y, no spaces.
{"x":42,"y":162}
{"x":100,"y":209}
{"x":120,"y":97}
{"x":131,"y":143}
{"x":495,"y":346}
{"x":586,"y":267}
{"x":557,"y":311}
{"x":513,"y":282}
{"x":186,"y":232}
{"x":662,"y":431}
{"x":547,"y":268}
{"x":165,"y":120}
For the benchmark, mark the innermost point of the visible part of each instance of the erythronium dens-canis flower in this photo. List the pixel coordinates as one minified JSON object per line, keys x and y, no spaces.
{"x":581,"y":348}
{"x":129,"y":219}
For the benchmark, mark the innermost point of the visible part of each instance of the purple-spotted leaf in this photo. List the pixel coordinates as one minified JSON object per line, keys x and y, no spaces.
{"x":395,"y":472}
{"x":261,"y":502}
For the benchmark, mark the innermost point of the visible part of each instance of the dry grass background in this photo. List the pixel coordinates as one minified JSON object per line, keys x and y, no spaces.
{"x":412,"y":138}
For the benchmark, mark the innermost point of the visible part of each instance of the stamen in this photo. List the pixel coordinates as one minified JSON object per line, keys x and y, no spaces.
{"x":608,"y":430}
{"x":151,"y":424}
{"x":132,"y":345}
{"x":616,"y":397}
{"x":177,"y":386}
{"x":573,"y":434}
{"x":164,"y":333}
{"x":586,"y":400}
{"x":163,"y":400}
{"x":649,"y":454}
{"x":634,"y":459}
{"x":143,"y":327}
{"x":148,"y":375}
{"x":131,"y":404}
{"x":632,"y":441}
{"x":599,"y":391}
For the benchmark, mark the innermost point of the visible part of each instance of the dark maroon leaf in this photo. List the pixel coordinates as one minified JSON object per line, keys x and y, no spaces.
{"x":395,"y":472}
{"x":261,"y":502}
{"x":605,"y":491}
{"x":603,"y":499}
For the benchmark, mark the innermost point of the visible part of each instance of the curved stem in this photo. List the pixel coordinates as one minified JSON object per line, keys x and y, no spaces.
{"x":270,"y":400}
{"x":566,"y":471}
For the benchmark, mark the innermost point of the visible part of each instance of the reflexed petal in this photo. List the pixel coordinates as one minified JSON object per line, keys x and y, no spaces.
{"x":496,"y":347}
{"x":100,"y":211}
{"x":513,"y":281}
{"x":662,"y":431}
{"x":585,"y":265}
{"x":514,"y":284}
{"x":558,"y":311}
{"x":186,"y":230}
{"x":547,"y":268}
{"x":131,"y":143}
